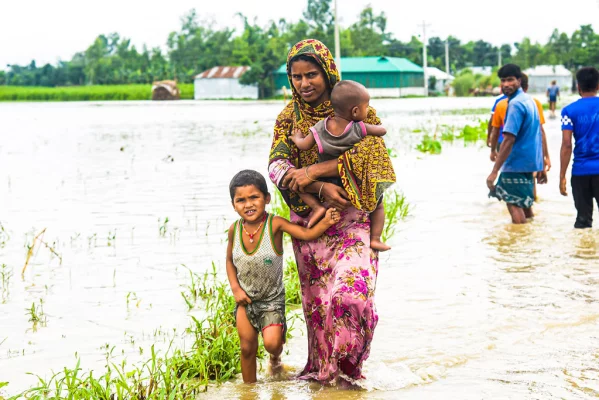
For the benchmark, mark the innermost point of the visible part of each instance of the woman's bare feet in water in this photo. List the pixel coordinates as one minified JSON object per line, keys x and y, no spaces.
{"x":276,"y":367}
{"x":317,"y":214}
{"x":377,"y":244}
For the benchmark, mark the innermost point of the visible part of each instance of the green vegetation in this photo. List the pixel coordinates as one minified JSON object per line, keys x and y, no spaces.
{"x":474,"y":133}
{"x":396,"y":210}
{"x":293,"y":289}
{"x":467,"y":83}
{"x":429,"y":144}
{"x":5,"y":276}
{"x":84,"y":93}
{"x":199,"y":45}
{"x":178,"y":374}
{"x":36,"y":315}
{"x":278,"y":205}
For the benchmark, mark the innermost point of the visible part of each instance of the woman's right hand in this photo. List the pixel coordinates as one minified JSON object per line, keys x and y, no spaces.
{"x":335,"y":196}
{"x":296,"y":180}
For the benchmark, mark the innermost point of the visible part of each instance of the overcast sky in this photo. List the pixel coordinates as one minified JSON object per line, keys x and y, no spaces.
{"x":50,"y":30}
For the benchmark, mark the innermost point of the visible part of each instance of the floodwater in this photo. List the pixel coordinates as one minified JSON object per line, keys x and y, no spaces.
{"x":470,"y":306}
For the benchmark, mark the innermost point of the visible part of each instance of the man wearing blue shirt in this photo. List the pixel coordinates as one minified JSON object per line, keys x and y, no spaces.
{"x":552,"y":95}
{"x":521,"y":152}
{"x":581,"y":119}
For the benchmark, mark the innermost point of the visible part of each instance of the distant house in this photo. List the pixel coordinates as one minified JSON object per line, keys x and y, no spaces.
{"x":383,"y":76}
{"x":541,"y":76}
{"x":478,"y":70}
{"x":223,"y":83}
{"x":441,"y":78}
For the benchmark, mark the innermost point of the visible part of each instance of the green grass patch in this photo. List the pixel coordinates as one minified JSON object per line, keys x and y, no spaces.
{"x":85,"y":93}
{"x":474,"y":133}
{"x":396,"y":209}
{"x":178,"y":374}
{"x":430,"y":145}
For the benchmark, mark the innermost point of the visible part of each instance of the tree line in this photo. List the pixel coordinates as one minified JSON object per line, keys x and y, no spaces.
{"x":198,"y":46}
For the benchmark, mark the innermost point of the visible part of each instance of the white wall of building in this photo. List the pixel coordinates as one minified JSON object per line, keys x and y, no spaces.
{"x":225,"y":88}
{"x":539,"y":84}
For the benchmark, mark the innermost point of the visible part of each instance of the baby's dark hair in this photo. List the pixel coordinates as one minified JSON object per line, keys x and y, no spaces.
{"x":510,"y":70}
{"x":248,"y":177}
{"x":588,"y":79}
{"x":347,"y":95}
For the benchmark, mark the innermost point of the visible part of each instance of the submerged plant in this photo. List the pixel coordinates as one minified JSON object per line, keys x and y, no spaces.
{"x":429,"y":145}
{"x":396,"y":209}
{"x":30,"y":247}
{"x":163,"y":227}
{"x":178,"y":374}
{"x":4,"y":237}
{"x":5,"y":275}
{"x":36,"y":314}
{"x":474,"y":133}
{"x":111,"y":238}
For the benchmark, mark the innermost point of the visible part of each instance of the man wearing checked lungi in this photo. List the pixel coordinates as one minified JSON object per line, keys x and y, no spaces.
{"x":521,"y":153}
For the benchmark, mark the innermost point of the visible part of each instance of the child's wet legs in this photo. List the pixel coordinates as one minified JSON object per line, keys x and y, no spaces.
{"x":248,"y":341}
{"x":377,"y":224}
{"x":273,"y":343}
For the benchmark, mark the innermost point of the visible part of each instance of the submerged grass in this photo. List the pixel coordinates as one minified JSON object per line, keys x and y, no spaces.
{"x":178,"y":374}
{"x":474,"y":133}
{"x":396,"y":209}
{"x":429,"y":144}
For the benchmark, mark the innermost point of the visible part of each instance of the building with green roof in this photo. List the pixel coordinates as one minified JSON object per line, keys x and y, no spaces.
{"x":383,"y":76}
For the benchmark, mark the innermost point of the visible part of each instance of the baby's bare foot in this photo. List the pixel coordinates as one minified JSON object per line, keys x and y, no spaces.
{"x":317,"y":214}
{"x":376,"y":244}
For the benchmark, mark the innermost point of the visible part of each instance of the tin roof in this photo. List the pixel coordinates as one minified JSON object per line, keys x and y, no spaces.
{"x":372,"y":64}
{"x":221,"y":72}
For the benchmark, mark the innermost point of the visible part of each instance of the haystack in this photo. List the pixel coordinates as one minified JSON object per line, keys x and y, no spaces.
{"x":165,"y":90}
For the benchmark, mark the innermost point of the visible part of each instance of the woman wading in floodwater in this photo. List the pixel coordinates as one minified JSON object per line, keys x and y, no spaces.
{"x":338,"y":270}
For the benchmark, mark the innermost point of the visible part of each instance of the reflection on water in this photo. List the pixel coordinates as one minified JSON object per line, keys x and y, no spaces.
{"x":470,"y":305}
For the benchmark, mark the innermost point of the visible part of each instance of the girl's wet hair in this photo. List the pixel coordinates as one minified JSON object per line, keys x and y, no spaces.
{"x":248,"y":177}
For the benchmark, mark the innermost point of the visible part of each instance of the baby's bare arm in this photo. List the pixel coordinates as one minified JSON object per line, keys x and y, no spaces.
{"x":302,"y":143}
{"x":375,"y":130}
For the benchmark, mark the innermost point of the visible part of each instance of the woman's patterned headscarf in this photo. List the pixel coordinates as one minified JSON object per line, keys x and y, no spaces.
{"x":362,"y":185}
{"x":322,"y":56}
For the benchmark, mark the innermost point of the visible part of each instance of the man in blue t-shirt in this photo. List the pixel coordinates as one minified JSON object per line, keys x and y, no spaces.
{"x":581,"y":119}
{"x":521,"y":152}
{"x":552,"y":94}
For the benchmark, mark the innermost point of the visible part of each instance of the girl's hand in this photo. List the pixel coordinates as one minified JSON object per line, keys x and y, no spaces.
{"x":296,"y":180}
{"x":331,"y":217}
{"x":335,"y":196}
{"x":241,"y":297}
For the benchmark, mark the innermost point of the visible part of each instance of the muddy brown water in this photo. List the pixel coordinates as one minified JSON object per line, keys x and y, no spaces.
{"x":470,"y":306}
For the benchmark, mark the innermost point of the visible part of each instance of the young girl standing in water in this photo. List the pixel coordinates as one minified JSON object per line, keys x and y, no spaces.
{"x":255,"y":268}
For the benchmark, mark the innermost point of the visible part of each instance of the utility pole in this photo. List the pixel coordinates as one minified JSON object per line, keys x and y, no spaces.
{"x":499,"y":57}
{"x":424,"y":57}
{"x":337,"y":42}
{"x":447,"y":56}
